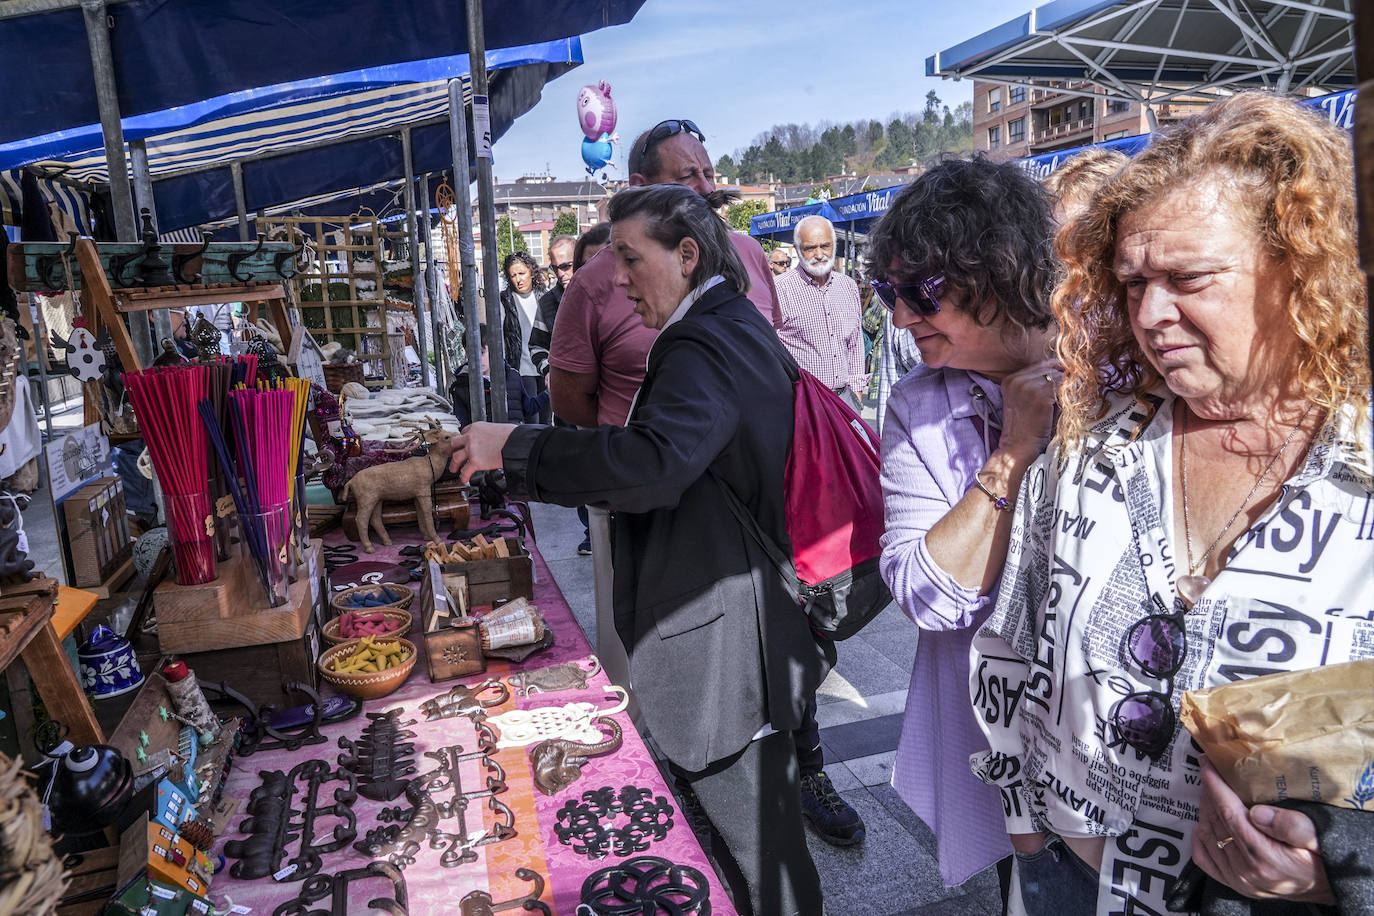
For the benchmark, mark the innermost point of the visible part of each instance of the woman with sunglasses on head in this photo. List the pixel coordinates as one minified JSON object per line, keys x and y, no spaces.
{"x":963,"y":260}
{"x":1202,"y":518}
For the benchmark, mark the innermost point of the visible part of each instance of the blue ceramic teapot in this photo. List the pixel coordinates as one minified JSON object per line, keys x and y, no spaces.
{"x":109,"y":666}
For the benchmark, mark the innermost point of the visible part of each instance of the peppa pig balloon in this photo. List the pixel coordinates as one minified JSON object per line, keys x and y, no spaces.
{"x":597,"y":153}
{"x":595,"y":110}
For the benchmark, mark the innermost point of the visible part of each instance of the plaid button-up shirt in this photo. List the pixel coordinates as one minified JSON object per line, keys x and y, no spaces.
{"x":821,"y":327}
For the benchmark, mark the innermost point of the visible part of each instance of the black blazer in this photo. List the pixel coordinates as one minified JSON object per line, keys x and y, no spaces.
{"x":717,"y":648}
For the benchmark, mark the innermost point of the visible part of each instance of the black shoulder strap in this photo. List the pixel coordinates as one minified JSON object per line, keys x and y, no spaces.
{"x":780,"y":561}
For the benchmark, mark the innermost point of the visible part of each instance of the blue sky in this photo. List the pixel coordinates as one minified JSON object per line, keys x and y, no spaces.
{"x":737,"y":67}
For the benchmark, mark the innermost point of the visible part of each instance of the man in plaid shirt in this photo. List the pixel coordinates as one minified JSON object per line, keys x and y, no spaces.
{"x":821,"y":313}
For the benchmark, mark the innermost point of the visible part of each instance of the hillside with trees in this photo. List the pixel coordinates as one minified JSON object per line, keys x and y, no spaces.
{"x":794,"y":153}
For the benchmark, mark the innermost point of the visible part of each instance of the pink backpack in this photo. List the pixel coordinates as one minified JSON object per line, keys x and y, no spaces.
{"x":833,"y":510}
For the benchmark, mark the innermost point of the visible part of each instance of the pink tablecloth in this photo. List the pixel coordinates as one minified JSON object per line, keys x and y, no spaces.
{"x":434,"y":889}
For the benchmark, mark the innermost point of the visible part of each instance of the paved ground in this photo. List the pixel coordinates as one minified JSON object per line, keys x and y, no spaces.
{"x":893,"y":873}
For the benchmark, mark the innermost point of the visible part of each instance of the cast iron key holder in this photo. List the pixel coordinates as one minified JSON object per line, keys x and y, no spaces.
{"x":335,"y":887}
{"x":380,"y":758}
{"x":272,"y":827}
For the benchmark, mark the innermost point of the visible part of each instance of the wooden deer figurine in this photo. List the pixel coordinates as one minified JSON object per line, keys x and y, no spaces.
{"x":402,"y":480}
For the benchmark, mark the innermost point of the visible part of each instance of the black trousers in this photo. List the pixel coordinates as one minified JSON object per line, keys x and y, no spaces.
{"x":807,"y":738}
{"x":753,"y":799}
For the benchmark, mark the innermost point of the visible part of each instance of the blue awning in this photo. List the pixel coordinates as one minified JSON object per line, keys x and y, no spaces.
{"x":172,"y":53}
{"x":305,"y":140}
{"x":857,"y":212}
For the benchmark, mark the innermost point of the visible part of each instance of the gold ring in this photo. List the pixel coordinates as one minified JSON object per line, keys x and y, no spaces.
{"x":1224,"y":842}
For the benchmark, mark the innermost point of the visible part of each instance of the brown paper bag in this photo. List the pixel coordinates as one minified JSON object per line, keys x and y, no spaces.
{"x":1305,"y":735}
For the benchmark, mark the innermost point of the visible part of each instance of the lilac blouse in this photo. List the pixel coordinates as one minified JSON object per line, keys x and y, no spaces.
{"x":933,"y":445}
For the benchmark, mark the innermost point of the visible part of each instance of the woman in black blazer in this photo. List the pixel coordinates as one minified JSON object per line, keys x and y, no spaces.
{"x":720,"y":657}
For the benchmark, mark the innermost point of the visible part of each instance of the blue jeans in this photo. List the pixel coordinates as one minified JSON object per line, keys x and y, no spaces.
{"x":1055,"y":882}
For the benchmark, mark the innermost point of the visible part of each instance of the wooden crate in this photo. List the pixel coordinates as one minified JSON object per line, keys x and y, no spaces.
{"x":218,"y":615}
{"x":502,"y":579}
{"x":97,"y":531}
{"x":452,"y":649}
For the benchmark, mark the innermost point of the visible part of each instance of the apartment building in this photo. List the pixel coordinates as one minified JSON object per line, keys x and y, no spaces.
{"x":1012,"y":122}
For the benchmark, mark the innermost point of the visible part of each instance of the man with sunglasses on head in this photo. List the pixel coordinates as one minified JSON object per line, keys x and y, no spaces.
{"x":821,"y":314}
{"x":600,"y":345}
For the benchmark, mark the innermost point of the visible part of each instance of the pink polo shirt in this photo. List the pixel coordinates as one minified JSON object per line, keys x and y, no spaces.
{"x":597,"y":330}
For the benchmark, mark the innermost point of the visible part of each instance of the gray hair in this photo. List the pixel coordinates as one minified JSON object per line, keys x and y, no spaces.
{"x":672,"y":213}
{"x":817,"y":218}
{"x":561,"y":240}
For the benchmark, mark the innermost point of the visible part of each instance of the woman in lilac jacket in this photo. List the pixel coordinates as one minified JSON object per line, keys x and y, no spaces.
{"x":964,"y":259}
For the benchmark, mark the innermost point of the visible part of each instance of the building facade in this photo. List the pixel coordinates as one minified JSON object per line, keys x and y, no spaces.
{"x":1012,"y":122}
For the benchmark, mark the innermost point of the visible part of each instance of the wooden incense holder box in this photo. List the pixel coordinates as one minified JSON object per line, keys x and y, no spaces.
{"x":500,"y":579}
{"x":453,"y":644}
{"x":232,"y":611}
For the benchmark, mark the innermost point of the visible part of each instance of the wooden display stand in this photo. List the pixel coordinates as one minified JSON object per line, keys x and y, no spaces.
{"x":502,"y":579}
{"x":232,"y":611}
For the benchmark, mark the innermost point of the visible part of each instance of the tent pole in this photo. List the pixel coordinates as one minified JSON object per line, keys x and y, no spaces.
{"x":467,"y":291}
{"x":486,"y":208}
{"x":143,"y":197}
{"x":431,"y":287}
{"x":121,"y":195}
{"x":240,"y":199}
{"x":417,"y":288}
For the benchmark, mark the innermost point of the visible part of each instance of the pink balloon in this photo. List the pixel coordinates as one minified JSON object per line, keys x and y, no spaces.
{"x":595,"y":110}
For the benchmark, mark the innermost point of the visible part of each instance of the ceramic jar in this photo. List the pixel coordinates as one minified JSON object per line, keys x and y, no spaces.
{"x":109,"y":666}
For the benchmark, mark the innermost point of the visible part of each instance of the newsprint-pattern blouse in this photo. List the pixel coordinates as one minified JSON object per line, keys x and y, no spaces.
{"x":1091,"y":543}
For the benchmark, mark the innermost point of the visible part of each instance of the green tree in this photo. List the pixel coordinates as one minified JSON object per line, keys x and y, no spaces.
{"x":725,"y":166}
{"x":932,"y":112}
{"x":566,"y":224}
{"x":875,"y":131}
{"x":738,"y":216}
{"x":506,"y":234}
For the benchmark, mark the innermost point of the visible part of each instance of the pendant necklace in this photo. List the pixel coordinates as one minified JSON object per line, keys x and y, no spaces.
{"x":1191,"y":586}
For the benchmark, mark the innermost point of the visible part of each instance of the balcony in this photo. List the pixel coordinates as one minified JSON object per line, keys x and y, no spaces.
{"x":1062,"y":132}
{"x":1056,"y":93}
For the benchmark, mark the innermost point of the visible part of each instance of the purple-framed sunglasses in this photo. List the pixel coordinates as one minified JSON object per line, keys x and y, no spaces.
{"x":1157,"y":644}
{"x":923,"y":298}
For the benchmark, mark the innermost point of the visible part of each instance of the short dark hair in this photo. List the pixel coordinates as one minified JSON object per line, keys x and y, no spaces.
{"x":524,"y":257}
{"x":598,"y":235}
{"x":986,"y":227}
{"x":672,"y":213}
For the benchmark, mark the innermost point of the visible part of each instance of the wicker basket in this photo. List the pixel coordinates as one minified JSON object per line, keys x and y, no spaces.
{"x":398,"y":624}
{"x":367,"y":685}
{"x":336,"y":376}
{"x":31,"y":876}
{"x":336,"y":601}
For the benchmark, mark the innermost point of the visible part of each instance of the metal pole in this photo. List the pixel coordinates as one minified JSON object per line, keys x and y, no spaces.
{"x":240,"y":199}
{"x":413,"y":234}
{"x":432,"y":288}
{"x":121,"y":195}
{"x":462,"y":197}
{"x":486,"y":209}
{"x":143,"y":198}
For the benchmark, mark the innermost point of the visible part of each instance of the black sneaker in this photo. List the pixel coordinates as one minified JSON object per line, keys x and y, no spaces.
{"x":830,"y":815}
{"x":585,"y":548}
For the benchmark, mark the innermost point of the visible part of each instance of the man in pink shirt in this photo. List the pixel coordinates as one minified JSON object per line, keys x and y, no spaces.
{"x":821,"y":314}
{"x":599,"y":344}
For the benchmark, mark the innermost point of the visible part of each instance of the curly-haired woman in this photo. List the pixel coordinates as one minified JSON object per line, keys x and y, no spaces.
{"x":1203,"y":517}
{"x":519,"y":305}
{"x":963,"y":260}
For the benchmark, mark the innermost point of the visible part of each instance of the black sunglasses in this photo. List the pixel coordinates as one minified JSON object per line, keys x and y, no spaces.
{"x":1157,"y":644}
{"x":923,"y":298}
{"x":566,"y":265}
{"x":660,"y":132}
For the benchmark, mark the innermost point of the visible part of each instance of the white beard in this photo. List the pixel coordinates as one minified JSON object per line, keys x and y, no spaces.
{"x":818,"y":268}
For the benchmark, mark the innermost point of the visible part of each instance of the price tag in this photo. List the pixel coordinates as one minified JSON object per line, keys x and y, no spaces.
{"x":481,"y":126}
{"x":285,"y":873}
{"x":224,"y":506}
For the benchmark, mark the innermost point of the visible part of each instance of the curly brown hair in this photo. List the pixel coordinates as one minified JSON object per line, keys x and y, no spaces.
{"x":1292,"y":170}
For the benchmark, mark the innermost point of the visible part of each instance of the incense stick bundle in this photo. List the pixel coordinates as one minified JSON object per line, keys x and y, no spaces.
{"x":165,"y":402}
{"x":261,"y":421}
